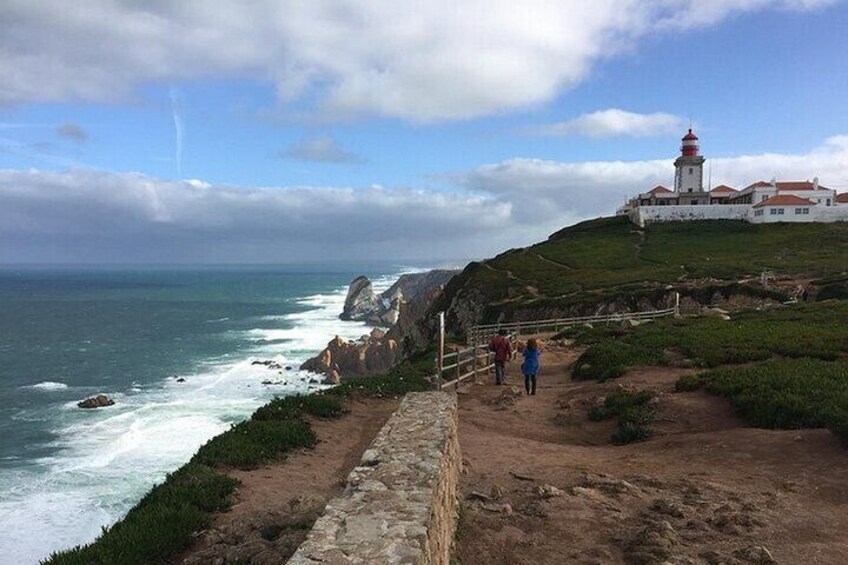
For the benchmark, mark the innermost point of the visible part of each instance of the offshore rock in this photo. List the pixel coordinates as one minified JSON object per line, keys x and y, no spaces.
{"x":361,"y":303}
{"x":98,"y":401}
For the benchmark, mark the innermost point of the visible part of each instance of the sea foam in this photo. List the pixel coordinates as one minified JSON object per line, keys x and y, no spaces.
{"x":48,"y":386}
{"x":108,"y":458}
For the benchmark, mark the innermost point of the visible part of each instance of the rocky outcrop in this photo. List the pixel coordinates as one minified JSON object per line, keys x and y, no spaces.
{"x":98,"y":401}
{"x":363,"y":304}
{"x":373,"y":353}
{"x":399,"y":506}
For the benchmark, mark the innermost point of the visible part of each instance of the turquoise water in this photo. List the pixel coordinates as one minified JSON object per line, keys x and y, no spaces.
{"x":130,"y":333}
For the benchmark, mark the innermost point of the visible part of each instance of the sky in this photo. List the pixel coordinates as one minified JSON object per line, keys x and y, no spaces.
{"x":329,"y":130}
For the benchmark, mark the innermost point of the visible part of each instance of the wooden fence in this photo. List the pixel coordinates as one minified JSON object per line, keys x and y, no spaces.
{"x":455,"y":366}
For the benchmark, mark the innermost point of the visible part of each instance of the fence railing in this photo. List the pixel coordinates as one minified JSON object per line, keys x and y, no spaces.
{"x":478,"y":334}
{"x":455,"y":366}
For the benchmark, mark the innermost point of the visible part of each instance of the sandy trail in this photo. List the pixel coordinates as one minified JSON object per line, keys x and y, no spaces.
{"x":705,"y":489}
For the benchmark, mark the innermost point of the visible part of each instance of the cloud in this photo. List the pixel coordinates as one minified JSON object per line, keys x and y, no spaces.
{"x":322,"y":149}
{"x":92,"y":216}
{"x":419,"y":61}
{"x":545,"y":190}
{"x":74,"y":132}
{"x":614,"y":122}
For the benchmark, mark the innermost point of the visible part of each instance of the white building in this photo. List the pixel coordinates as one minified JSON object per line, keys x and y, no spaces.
{"x":760,"y":202}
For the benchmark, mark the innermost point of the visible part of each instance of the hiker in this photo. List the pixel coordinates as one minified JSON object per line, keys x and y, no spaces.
{"x":502,"y":348}
{"x":530,"y":366}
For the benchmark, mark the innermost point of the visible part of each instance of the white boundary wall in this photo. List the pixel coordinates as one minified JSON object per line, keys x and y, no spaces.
{"x":653,"y":214}
{"x":822,"y":214}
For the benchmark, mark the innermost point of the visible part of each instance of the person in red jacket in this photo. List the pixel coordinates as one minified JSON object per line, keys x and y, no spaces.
{"x":502,"y":348}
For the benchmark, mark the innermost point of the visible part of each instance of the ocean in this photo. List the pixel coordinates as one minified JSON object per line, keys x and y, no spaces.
{"x":130,"y":333}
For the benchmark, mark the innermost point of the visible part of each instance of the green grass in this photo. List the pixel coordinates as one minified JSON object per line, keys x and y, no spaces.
{"x":164,"y":522}
{"x":817,"y":330}
{"x":783,"y":393}
{"x":633,"y":411}
{"x":609,"y":259}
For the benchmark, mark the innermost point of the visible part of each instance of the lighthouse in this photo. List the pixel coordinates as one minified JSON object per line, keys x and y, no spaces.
{"x":689,"y":171}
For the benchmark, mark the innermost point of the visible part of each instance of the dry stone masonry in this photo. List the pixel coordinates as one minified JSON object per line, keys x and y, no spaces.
{"x":399,"y":506}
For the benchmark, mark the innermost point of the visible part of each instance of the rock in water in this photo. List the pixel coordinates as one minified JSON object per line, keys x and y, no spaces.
{"x":361,"y":302}
{"x":96,"y":402}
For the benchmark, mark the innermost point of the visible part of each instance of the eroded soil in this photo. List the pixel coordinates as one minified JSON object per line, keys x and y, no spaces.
{"x":544,"y":485}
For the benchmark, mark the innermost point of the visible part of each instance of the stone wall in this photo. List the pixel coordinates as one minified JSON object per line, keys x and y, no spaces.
{"x":650,"y":214}
{"x":399,"y":506}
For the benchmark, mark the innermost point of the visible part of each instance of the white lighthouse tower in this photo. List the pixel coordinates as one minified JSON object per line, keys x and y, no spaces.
{"x":689,"y":172}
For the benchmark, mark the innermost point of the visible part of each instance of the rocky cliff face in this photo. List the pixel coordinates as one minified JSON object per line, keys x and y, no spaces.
{"x":373,"y":353}
{"x":401,"y":308}
{"x":362,"y":304}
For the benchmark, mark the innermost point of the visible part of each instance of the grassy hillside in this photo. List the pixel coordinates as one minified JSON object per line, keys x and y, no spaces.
{"x":785,"y":368}
{"x":609,"y":258}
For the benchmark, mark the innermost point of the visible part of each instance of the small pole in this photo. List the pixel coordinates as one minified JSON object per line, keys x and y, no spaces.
{"x":677,"y":304}
{"x":441,"y":358}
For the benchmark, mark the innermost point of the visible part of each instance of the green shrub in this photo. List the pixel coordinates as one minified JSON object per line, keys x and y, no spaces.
{"x":252,"y":442}
{"x":323,"y":405}
{"x":634,"y":413}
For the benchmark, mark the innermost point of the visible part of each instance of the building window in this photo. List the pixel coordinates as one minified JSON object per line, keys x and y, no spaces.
{"x":828,"y":201}
{"x":773,"y":211}
{"x":798,"y":211}
{"x":690,"y":170}
{"x":806,"y":211}
{"x":780,"y":211}
{"x":758,"y":212}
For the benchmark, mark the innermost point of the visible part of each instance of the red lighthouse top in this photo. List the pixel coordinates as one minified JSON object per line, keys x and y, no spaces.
{"x":690,"y":145}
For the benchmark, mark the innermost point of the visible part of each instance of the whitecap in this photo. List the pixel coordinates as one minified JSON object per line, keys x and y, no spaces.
{"x":48,"y":386}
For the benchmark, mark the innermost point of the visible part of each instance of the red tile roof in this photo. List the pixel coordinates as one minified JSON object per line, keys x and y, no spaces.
{"x":658,"y":189}
{"x":842,"y":198}
{"x":798,"y":185}
{"x":759,"y":183}
{"x":723,"y":188}
{"x":785,"y":200}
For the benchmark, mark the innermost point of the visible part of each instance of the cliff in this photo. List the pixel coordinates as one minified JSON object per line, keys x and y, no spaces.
{"x":364,"y":305}
{"x":401,"y":307}
{"x":608,"y":265}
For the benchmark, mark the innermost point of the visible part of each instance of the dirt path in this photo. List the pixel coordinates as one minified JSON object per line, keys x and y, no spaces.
{"x":704,"y":489}
{"x":277,"y":504}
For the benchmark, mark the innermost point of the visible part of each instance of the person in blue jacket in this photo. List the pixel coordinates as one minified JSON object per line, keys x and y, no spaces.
{"x":530,"y":366}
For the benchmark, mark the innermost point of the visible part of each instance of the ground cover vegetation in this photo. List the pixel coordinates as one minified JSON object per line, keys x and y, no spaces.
{"x":633,"y":411}
{"x":782,"y":393}
{"x":815,"y":330}
{"x":164,"y":522}
{"x":784,"y":368}
{"x":611,"y":259}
